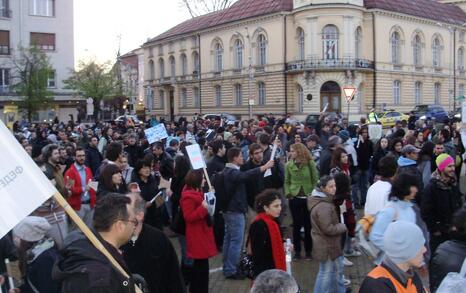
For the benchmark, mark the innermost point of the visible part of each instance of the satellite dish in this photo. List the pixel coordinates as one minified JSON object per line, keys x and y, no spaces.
{"x":309,"y":97}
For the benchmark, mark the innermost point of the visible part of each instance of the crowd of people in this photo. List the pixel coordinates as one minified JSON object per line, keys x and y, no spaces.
{"x":264,"y":173}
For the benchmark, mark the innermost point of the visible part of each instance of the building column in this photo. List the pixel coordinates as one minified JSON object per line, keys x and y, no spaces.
{"x":313,"y":40}
{"x":348,"y":37}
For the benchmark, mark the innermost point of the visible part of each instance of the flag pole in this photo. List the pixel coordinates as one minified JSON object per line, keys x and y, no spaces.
{"x":92,"y":238}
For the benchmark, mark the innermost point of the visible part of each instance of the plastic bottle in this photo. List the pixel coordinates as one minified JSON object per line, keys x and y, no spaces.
{"x":288,"y":256}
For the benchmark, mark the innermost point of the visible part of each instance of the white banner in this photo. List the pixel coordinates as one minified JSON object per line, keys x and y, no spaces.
{"x":23,"y":185}
{"x":195,"y":156}
{"x":156,"y":133}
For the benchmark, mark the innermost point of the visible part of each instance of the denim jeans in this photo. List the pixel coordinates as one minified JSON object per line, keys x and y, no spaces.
{"x":330,"y":277}
{"x":233,"y":241}
{"x":361,"y":186}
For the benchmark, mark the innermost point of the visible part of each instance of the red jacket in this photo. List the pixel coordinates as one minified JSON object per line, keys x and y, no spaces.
{"x":76,"y":190}
{"x":200,"y":242}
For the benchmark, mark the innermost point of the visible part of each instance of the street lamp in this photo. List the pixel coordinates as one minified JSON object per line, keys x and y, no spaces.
{"x":251,"y":76}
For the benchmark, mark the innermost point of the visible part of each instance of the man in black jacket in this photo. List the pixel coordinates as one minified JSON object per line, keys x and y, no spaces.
{"x":82,"y":267}
{"x":151,"y":254}
{"x":93,"y":156}
{"x":217,"y":162}
{"x":326,"y":155}
{"x":134,"y":151}
{"x":364,"y":152}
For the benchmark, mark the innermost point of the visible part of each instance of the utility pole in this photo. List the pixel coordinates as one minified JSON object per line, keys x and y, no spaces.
{"x":251,"y":76}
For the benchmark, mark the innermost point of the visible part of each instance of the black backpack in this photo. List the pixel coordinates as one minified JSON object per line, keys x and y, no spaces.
{"x":223,"y":197}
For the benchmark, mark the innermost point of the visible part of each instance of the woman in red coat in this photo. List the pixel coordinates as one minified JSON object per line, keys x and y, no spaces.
{"x":200,"y":242}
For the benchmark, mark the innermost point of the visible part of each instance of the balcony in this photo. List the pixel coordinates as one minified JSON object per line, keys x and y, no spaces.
{"x":329,"y":64}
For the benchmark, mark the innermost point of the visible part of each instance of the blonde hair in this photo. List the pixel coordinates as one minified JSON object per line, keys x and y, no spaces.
{"x":302,"y":153}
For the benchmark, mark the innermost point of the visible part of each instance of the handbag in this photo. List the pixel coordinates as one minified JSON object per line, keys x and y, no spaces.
{"x":246,"y":265}
{"x":454,"y":282}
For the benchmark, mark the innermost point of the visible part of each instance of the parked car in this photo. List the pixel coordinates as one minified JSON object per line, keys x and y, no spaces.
{"x":124,"y":118}
{"x":225,"y":116}
{"x":388,"y":118}
{"x":430,"y":112}
{"x":312,"y":119}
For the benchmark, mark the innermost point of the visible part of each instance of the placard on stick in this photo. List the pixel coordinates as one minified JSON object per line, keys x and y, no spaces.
{"x":156,"y":133}
{"x":195,"y":156}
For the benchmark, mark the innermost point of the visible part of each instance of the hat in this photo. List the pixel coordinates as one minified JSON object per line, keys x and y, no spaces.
{"x":333,"y":141}
{"x":409,"y":148}
{"x":442,"y":161}
{"x":32,"y":228}
{"x":262,"y":124}
{"x":344,"y":135}
{"x":402,"y":241}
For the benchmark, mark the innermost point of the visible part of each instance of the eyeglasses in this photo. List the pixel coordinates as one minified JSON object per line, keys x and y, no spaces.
{"x":134,"y":221}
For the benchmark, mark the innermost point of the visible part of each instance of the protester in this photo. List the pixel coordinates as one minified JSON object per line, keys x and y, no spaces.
{"x":134,"y":152}
{"x":380,"y":151}
{"x":126,"y":169}
{"x":274,"y":281}
{"x":312,"y":143}
{"x":265,"y":239}
{"x":364,"y":151}
{"x":407,"y":164}
{"x":7,"y":251}
{"x":425,"y":161}
{"x":111,"y":181}
{"x":326,"y":155}
{"x":300,"y":178}
{"x":378,"y":193}
{"x":200,"y":242}
{"x":326,"y":237}
{"x":93,"y":156}
{"x":404,"y":247}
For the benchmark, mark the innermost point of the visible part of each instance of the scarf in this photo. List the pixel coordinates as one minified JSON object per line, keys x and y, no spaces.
{"x":278,"y":250}
{"x":345,"y":169}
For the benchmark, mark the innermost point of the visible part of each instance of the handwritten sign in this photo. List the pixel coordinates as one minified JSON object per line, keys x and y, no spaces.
{"x":156,"y":133}
{"x":195,"y":156}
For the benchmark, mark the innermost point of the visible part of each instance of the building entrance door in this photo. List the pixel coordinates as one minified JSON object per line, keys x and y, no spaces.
{"x":172,"y":105}
{"x":330,"y":93}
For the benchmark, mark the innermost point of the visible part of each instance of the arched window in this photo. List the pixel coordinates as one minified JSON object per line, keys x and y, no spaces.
{"x":238,"y":54}
{"x":162,"y":99}
{"x":395,"y":42}
{"x":195,"y":63}
{"x":358,"y":43}
{"x":218,"y":96}
{"x":417,"y":92}
{"x":461,"y":58}
{"x":437,"y":93}
{"x":184,"y":64}
{"x":218,"y":62}
{"x":162,"y":68}
{"x":436,"y":52}
{"x":417,"y":50}
{"x":396,"y":92}
{"x":172,"y":67}
{"x":184,"y":98}
{"x":238,"y":94}
{"x":196,"y":97}
{"x":262,"y":50}
{"x":261,"y":93}
{"x":151,"y":70}
{"x":299,"y":90}
{"x":301,"y":44}
{"x":330,"y":42}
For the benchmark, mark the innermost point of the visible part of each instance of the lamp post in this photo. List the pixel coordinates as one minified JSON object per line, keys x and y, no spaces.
{"x":251,"y":76}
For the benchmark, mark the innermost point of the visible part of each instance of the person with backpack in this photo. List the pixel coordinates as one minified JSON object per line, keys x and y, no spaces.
{"x":300,"y":178}
{"x":234,"y":205}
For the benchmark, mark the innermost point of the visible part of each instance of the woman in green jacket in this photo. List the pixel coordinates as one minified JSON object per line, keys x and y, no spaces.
{"x":301,"y":177}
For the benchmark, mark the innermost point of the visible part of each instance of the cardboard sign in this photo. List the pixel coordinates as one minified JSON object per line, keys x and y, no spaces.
{"x":156,"y":133}
{"x":23,"y":186}
{"x":196,"y":157}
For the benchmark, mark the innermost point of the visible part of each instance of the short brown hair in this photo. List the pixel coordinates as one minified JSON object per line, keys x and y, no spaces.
{"x":194,"y":179}
{"x":233,"y":153}
{"x":254,"y":147}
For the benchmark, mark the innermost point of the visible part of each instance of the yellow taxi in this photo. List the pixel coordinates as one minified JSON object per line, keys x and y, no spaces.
{"x":388,"y":118}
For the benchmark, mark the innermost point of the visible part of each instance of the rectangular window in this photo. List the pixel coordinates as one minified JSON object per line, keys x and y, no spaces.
{"x":4,"y":80}
{"x":396,"y":92}
{"x":5,"y":8}
{"x":43,"y":41}
{"x":417,"y":92}
{"x":239,"y":95}
{"x":261,"y":94}
{"x":4,"y":43}
{"x":196,"y":97}
{"x":437,"y":93}
{"x":461,"y":90}
{"x":150,"y":98}
{"x":218,"y":96}
{"x":42,"y":7}
{"x":51,"y":80}
{"x":162,"y":99}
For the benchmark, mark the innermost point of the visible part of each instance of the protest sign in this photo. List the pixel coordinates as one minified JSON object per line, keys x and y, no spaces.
{"x":375,"y":132}
{"x":23,"y":186}
{"x":195,"y":156}
{"x":156,"y":133}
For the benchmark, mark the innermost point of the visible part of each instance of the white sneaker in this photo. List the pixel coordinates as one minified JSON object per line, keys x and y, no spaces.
{"x":353,"y":253}
{"x":346,"y":282}
{"x":347,"y":262}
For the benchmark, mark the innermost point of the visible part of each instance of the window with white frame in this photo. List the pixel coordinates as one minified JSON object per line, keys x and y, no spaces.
{"x":162,"y":68}
{"x":261,"y":94}
{"x":437,"y":93}
{"x":262,"y":50}
{"x":417,"y":92}
{"x":461,"y":59}
{"x":151,"y":70}
{"x":417,"y":50}
{"x":218,"y":96}
{"x":51,"y":79}
{"x":461,"y":89}
{"x":150,"y":98}
{"x":162,"y":99}
{"x":5,"y":8}
{"x":436,"y":52}
{"x":238,"y":94}
{"x":218,"y":54}
{"x":396,"y":92}
{"x":42,"y":7}
{"x":395,"y":42}
{"x":461,"y":36}
{"x":300,"y":92}
{"x":184,"y":98}
{"x":301,"y":44}
{"x":196,"y":97}
{"x":4,"y":79}
{"x":238,"y":54}
{"x":358,"y":43}
{"x":196,"y":62}
{"x":184,"y":64}
{"x":172,"y":67}
{"x":330,"y":42}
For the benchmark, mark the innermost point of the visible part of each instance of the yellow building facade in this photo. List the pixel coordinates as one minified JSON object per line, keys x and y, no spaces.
{"x":284,"y":56}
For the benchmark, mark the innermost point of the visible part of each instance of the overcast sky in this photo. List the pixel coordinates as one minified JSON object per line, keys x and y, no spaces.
{"x":98,"y":24}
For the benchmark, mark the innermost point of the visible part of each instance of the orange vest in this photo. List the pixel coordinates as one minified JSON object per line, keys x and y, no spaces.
{"x":381,"y":272}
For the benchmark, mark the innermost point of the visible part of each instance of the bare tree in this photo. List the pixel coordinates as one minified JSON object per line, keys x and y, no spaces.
{"x":200,"y":7}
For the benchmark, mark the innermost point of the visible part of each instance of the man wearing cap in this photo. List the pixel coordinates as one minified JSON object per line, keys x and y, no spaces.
{"x":407,"y":163}
{"x":312,"y":143}
{"x":404,"y":251}
{"x":441,"y":199}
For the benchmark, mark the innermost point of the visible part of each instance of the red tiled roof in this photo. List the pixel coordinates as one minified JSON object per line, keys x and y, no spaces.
{"x":430,"y":9}
{"x":242,"y":9}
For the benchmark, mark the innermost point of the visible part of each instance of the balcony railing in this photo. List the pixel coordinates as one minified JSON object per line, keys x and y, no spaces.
{"x":330,"y":64}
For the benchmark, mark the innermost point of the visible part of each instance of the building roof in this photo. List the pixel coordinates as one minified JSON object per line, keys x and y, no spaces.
{"x":243,"y":9}
{"x":429,"y":9}
{"x":130,"y":58}
{"x":240,"y":10}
